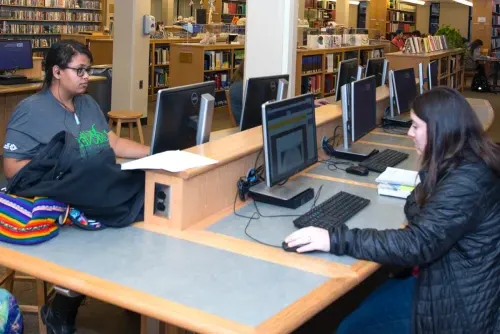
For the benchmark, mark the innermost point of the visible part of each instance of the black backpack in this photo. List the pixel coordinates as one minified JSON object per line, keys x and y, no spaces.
{"x":480,"y":81}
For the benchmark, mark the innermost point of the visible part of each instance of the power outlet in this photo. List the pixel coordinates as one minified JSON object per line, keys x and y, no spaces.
{"x":162,"y":200}
{"x":141,"y":84}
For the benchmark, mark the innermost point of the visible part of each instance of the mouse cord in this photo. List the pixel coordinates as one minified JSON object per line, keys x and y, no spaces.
{"x":257,"y":215}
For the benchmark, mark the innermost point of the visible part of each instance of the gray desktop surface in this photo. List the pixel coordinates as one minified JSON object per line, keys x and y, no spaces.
{"x":382,"y":213}
{"x":239,"y":288}
{"x":391,"y":140}
{"x":327,"y":168}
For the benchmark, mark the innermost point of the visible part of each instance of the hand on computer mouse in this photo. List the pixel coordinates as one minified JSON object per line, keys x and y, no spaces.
{"x":309,"y":239}
{"x":320,"y":102}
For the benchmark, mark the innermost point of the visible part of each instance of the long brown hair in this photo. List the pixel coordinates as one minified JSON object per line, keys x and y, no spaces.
{"x":238,"y":72}
{"x":453,"y":129}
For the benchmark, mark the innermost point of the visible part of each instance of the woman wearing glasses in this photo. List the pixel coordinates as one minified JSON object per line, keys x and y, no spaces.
{"x":62,"y":106}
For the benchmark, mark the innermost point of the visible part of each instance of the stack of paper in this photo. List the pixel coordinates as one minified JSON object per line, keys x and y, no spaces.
{"x":397,"y":182}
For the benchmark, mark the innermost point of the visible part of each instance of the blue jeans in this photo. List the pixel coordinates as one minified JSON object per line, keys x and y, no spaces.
{"x":387,"y":310}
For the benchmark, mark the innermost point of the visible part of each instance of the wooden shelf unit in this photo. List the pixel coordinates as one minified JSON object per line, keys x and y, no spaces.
{"x":49,"y":22}
{"x":187,"y":65}
{"x":327,"y":79}
{"x":451,"y":65}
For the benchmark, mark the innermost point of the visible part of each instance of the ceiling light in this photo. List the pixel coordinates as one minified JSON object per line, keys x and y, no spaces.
{"x":351,"y":2}
{"x":464,"y":2}
{"x":417,"y":2}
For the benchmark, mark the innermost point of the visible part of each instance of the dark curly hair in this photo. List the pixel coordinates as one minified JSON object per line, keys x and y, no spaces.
{"x":60,"y":54}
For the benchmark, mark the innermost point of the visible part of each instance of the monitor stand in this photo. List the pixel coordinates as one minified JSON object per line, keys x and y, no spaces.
{"x":402,"y":120}
{"x":352,"y":153}
{"x":12,"y":79}
{"x":292,"y":194}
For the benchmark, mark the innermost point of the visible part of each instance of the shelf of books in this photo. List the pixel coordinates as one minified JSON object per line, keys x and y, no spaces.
{"x":316,"y":70}
{"x":401,"y":16}
{"x":43,"y":21}
{"x":193,"y":63}
{"x":434,"y":17}
{"x":495,"y":31}
{"x":451,"y":61}
{"x":233,"y":10}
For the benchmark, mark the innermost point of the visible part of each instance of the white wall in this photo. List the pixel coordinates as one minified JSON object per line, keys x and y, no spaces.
{"x":185,"y":9}
{"x":156,"y":10}
{"x":455,"y":15}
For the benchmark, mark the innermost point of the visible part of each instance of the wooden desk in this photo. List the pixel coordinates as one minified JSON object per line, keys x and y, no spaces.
{"x":11,"y":95}
{"x":209,"y":276}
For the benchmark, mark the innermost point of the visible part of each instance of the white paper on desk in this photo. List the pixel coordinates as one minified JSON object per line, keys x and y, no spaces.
{"x":171,"y":161}
{"x":399,"y":176}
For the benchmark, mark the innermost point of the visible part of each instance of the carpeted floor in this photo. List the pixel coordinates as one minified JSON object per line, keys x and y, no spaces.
{"x":99,"y":317}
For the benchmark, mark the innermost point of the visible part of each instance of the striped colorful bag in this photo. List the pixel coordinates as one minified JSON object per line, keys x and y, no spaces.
{"x":29,"y":221}
{"x":11,"y":319}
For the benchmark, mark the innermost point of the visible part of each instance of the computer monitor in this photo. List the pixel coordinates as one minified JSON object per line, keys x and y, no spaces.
{"x":359,"y":116}
{"x":421,"y":78}
{"x":348,"y":72}
{"x":183,"y":117}
{"x":290,"y":146}
{"x":259,"y":91}
{"x":378,"y":68}
{"x":402,"y":90}
{"x":433,"y":74}
{"x":15,"y":55}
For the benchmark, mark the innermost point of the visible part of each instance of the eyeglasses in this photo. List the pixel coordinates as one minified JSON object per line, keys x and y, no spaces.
{"x":81,"y":71}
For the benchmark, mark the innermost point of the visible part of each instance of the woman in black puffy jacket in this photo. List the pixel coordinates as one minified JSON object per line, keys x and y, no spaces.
{"x":453,"y":231}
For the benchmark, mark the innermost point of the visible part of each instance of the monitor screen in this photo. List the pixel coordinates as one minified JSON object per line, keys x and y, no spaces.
{"x":405,"y":88}
{"x":348,"y":71}
{"x":176,"y":117}
{"x":15,"y":55}
{"x":289,"y":131}
{"x":375,"y":66}
{"x":259,"y":91}
{"x":363,"y":107}
{"x":433,"y":74}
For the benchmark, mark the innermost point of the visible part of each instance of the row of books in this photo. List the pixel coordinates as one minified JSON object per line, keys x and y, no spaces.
{"x":311,"y":64}
{"x":43,"y":42}
{"x":406,"y":27}
{"x":221,"y":80}
{"x":234,"y":8}
{"x":216,"y":60}
{"x":495,"y":20}
{"x":38,"y":15}
{"x":311,"y":84}
{"x":14,"y":28}
{"x":401,"y":16}
{"x":495,"y":43}
{"x":336,"y":41}
{"x":427,"y":44}
{"x":332,"y":62}
{"x":392,"y":4}
{"x":162,"y":56}
{"x":86,"y":4}
{"x":161,"y":77}
{"x":330,"y":80}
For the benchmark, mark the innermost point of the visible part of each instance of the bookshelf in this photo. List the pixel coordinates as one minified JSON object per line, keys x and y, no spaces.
{"x":193,"y":63}
{"x":232,"y":9}
{"x":401,"y":16}
{"x":44,"y":21}
{"x":451,"y":65}
{"x":318,"y":12}
{"x":316,"y":70}
{"x":495,"y":30}
{"x":434,"y":17}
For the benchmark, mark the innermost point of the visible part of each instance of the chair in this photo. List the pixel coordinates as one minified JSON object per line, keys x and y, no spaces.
{"x":126,"y":117}
{"x":231,"y":116}
{"x":42,"y":294}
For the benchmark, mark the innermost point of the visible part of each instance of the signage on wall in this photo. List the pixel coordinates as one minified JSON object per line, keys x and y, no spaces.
{"x":481,"y":19}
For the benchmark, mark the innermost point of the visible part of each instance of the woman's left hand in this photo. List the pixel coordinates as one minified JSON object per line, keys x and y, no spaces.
{"x":310,"y":239}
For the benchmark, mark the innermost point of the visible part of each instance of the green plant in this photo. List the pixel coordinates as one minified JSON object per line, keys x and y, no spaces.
{"x":453,"y":37}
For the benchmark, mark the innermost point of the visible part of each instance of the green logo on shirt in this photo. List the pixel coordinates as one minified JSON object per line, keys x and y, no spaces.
{"x":92,"y":141}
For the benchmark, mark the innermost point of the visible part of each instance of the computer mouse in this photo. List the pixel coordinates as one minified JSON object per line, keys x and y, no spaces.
{"x":323,"y":102}
{"x":357,"y":170}
{"x":290,"y":249}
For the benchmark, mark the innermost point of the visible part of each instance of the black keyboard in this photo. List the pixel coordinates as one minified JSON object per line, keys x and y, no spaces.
{"x":380,"y":161}
{"x":333,"y":212}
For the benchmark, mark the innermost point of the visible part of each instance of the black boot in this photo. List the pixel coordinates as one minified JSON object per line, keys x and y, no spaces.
{"x":60,"y":315}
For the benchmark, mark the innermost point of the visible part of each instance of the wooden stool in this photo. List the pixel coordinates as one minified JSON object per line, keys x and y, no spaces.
{"x":42,"y":294}
{"x":126,"y":116}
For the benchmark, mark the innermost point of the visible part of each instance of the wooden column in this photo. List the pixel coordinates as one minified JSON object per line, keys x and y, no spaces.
{"x":342,"y":12}
{"x":376,"y":17}
{"x":482,"y":11}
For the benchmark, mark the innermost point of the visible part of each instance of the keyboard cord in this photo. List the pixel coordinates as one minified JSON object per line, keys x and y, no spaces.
{"x":257,"y":215}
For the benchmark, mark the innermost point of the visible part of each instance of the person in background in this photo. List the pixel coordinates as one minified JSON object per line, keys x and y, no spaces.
{"x":472,"y":54}
{"x":452,"y":238}
{"x":416,"y":33}
{"x":398,"y":40}
{"x":62,"y":105}
{"x":236,"y":92}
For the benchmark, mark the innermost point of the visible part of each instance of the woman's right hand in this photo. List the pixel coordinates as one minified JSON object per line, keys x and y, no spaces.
{"x":310,"y":239}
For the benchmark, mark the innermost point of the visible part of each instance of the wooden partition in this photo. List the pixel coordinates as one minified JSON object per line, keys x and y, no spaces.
{"x":102,"y":51}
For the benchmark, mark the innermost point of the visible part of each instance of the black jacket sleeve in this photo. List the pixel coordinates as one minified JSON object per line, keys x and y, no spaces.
{"x":439,"y":224}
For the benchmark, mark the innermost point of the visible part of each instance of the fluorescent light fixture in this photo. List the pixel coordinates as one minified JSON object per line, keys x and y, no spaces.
{"x":417,"y":2}
{"x":464,"y":2}
{"x":351,"y":2}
